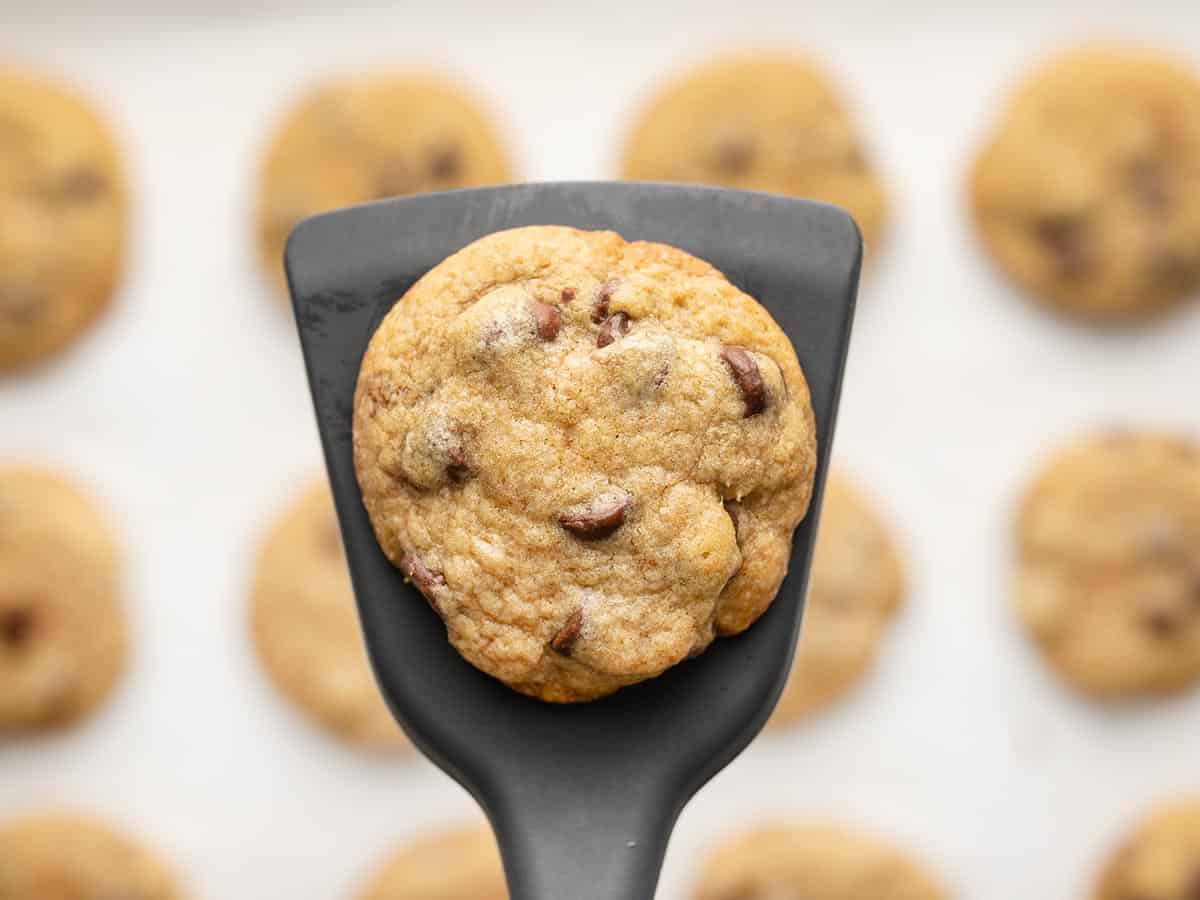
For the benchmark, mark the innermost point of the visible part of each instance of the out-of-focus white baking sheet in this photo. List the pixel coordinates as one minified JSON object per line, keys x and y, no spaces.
{"x":186,"y":412}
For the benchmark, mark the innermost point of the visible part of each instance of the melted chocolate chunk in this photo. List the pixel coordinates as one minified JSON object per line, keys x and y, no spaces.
{"x":1066,"y":240}
{"x":1146,"y":179}
{"x":16,"y":627}
{"x":615,"y":326}
{"x":548,"y":319}
{"x":445,"y":162}
{"x":733,"y":153}
{"x":564,"y":640}
{"x":427,"y":581}
{"x":597,"y":518}
{"x":603,"y":296}
{"x":747,"y":377}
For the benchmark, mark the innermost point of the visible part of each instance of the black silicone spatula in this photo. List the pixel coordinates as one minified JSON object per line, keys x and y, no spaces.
{"x":583,"y":797}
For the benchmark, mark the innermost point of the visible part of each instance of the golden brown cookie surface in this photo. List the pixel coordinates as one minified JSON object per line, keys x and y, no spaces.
{"x":306,"y":629}
{"x":1088,"y":191}
{"x":1160,"y":860}
{"x":774,"y":862}
{"x":854,"y":591}
{"x":555,"y":432}
{"x":63,"y":211}
{"x":456,"y":865}
{"x":365,"y":137}
{"x":63,"y":634}
{"x":57,"y":857}
{"x":765,"y":123}
{"x":1108,"y":579}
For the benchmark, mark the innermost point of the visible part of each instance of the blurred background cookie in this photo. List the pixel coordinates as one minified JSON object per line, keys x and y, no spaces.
{"x":854,"y":591}
{"x":60,"y":857}
{"x":1108,"y":581}
{"x":305,"y":626}
{"x":63,"y":210}
{"x":1088,"y":191}
{"x":63,"y":633}
{"x":816,"y":862}
{"x":1160,"y":860}
{"x":760,"y":122}
{"x":463,"y":864}
{"x":366,"y":137}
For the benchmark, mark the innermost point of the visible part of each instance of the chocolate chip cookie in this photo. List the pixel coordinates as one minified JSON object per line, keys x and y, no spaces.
{"x":588,"y":454}
{"x":306,"y":630}
{"x":1108,"y":580}
{"x":1088,"y":191}
{"x":773,"y":862}
{"x":454,"y":865}
{"x":63,"y":634}
{"x":63,"y":210}
{"x":1160,"y":861}
{"x":59,"y":857}
{"x":854,"y":591}
{"x":364,"y":137}
{"x":758,"y":122}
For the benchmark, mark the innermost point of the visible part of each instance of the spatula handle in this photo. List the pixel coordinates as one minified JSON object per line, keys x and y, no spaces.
{"x":574,"y":839}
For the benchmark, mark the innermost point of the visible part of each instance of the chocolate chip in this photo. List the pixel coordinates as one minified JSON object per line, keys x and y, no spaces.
{"x":1066,"y":239}
{"x":1146,"y":179}
{"x":80,"y":184}
{"x":564,"y":641}
{"x":568,"y":294}
{"x":615,"y":326}
{"x":597,"y":518}
{"x":733,"y":153}
{"x":748,"y":377}
{"x":549,"y":320}
{"x":457,"y":466}
{"x":16,"y":625}
{"x":603,"y":296}
{"x":1171,"y":268}
{"x":21,"y":303}
{"x":1192,"y":890}
{"x":445,"y":161}
{"x":427,"y":581}
{"x":1160,"y":622}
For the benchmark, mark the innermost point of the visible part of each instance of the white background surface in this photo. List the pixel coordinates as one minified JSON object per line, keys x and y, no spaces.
{"x":186,"y":413}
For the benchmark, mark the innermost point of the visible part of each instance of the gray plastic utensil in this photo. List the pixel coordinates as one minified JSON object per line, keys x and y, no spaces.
{"x":583,"y":798}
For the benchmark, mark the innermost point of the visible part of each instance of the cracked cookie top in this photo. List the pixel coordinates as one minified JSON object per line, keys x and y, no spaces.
{"x":588,"y":454}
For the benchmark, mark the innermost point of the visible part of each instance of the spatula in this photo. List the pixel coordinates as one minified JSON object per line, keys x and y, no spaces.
{"x":583,"y":798}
